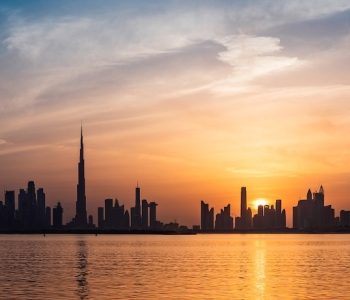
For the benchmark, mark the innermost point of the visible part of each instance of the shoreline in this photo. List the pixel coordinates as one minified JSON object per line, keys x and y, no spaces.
{"x":171,"y":232}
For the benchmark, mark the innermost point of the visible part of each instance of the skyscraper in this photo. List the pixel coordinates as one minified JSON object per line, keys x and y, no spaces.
{"x":41,"y":208}
{"x":109,"y":213}
{"x":207,"y":217}
{"x":137,"y":200}
{"x":153,"y":214}
{"x":223,"y":220}
{"x":57,"y":213}
{"x":81,"y":215}
{"x":100,"y":218}
{"x":145,"y":214}
{"x":31,"y":198}
{"x":136,"y":210}
{"x":243,"y":219}
{"x":48,"y":216}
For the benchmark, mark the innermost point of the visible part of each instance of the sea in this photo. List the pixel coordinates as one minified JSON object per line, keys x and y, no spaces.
{"x":202,"y":266}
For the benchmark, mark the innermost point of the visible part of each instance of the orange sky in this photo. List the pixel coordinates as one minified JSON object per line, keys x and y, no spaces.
{"x":192,"y":101}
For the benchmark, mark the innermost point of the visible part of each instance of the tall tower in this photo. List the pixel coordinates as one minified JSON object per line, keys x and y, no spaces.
{"x":80,"y":215}
{"x":137,"y":200}
{"x":243,"y":207}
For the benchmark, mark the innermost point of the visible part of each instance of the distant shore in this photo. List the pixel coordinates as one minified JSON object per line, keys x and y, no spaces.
{"x":183,"y":232}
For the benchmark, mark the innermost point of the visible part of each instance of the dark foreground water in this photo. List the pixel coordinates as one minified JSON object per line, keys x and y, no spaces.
{"x":175,"y":267}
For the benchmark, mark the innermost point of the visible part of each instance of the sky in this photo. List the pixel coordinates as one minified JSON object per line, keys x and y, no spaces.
{"x":191,"y":99}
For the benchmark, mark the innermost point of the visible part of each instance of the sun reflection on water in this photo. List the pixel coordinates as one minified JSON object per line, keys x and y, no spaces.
{"x":259,"y":279}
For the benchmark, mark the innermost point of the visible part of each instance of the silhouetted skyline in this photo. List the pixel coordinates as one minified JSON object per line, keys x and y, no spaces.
{"x":32,"y":213}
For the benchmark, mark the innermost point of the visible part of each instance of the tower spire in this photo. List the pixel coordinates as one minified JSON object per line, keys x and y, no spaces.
{"x":80,"y":217}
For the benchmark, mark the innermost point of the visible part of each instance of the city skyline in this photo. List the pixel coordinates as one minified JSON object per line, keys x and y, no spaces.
{"x":33,"y":214}
{"x":192,"y":100}
{"x":81,"y":215}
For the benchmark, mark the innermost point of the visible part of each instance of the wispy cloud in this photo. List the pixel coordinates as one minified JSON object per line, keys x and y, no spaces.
{"x":3,"y":142}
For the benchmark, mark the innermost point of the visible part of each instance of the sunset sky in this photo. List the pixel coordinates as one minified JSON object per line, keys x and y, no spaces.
{"x":192,"y":99}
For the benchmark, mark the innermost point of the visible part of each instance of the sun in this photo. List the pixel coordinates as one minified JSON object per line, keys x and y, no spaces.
{"x":260,"y":201}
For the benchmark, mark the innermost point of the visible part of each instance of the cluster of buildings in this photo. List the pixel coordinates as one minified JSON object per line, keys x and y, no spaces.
{"x":141,"y":216}
{"x":31,"y":212}
{"x":268,"y":217}
{"x":223,"y":220}
{"x":311,"y":213}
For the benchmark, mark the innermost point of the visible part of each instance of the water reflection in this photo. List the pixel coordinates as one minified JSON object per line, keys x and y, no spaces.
{"x":82,"y":270}
{"x":259,"y":279}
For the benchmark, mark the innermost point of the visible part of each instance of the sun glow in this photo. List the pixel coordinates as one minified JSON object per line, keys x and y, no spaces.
{"x":259,"y":201}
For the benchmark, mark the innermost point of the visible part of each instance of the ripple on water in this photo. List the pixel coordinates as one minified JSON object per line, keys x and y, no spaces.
{"x":175,"y":267}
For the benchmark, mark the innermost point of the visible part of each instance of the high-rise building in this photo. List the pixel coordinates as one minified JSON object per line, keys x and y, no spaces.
{"x":126,"y":219}
{"x":207,"y":217}
{"x":41,"y":208}
{"x":312,"y":213}
{"x":81,"y":214}
{"x":10,"y":203}
{"x":118,"y":215}
{"x":153,"y":214}
{"x":223,"y":220}
{"x":100,"y":218}
{"x":145,"y":213}
{"x":135,"y":211}
{"x":48,"y":216}
{"x":278,"y":206}
{"x":278,"y":214}
{"x":243,"y":219}
{"x":109,"y":213}
{"x":137,"y":200}
{"x":23,"y":208}
{"x":57,"y":216}
{"x":31,"y":199}
{"x":248,"y":219}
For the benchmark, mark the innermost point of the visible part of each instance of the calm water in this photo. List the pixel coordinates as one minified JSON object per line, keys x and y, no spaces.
{"x":175,"y":267}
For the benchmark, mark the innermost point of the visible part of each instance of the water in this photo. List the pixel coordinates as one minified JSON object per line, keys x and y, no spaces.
{"x":175,"y":267}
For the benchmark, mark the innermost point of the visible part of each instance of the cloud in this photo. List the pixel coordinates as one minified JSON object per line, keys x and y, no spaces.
{"x":3,"y":142}
{"x":250,"y":57}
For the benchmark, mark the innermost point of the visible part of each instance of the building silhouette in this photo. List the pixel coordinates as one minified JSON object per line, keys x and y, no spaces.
{"x":108,"y":222}
{"x":91,"y":221}
{"x":145,"y":207}
{"x":57,"y":216}
{"x":100,"y":217}
{"x":223,"y":220}
{"x":136,"y":220}
{"x":126,"y":219}
{"x":118,"y":215}
{"x":9,"y":210}
{"x":47,"y":217}
{"x":312,"y":213}
{"x":207,"y":217}
{"x":153,"y":215}
{"x":41,"y":208}
{"x":243,"y":220}
{"x":31,"y":202}
{"x":80,"y":220}
{"x":270,"y":218}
